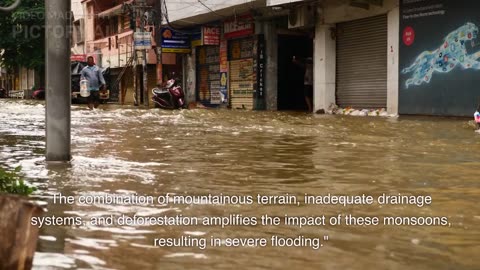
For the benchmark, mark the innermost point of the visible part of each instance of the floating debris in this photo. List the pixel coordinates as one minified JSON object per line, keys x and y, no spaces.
{"x":334,"y":109}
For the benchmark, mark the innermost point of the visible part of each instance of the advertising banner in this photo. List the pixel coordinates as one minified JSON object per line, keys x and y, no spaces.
{"x":223,"y":56}
{"x":439,"y":67}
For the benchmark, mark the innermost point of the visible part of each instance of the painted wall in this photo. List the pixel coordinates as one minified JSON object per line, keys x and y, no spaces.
{"x":340,"y":11}
{"x":439,"y":68}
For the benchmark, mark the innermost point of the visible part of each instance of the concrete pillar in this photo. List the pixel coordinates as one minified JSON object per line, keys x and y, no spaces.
{"x":324,"y":64}
{"x":58,"y":81}
{"x":392,"y":61}
{"x":271,"y":73}
{"x":190,"y":77}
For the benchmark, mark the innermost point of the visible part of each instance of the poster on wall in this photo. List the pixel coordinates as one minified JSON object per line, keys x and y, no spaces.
{"x":224,"y":71}
{"x":223,"y":56}
{"x":439,"y":67}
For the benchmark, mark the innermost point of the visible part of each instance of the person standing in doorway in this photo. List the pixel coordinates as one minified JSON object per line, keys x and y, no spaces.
{"x":96,"y":82}
{"x":307,"y":66}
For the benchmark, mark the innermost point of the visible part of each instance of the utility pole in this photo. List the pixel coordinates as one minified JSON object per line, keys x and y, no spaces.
{"x":158,"y":38}
{"x":134,"y":71}
{"x":135,"y":58}
{"x":58,"y":80}
{"x":142,"y":8}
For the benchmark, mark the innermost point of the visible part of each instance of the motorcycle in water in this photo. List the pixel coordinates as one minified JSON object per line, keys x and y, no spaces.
{"x":170,"y":97}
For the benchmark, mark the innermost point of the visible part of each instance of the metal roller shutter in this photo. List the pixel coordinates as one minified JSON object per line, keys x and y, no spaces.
{"x":362,"y":63}
{"x":241,"y":84}
{"x":241,"y":73}
{"x":208,"y":75}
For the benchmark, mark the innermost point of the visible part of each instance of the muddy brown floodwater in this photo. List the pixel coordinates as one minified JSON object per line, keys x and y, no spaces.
{"x":125,"y":150}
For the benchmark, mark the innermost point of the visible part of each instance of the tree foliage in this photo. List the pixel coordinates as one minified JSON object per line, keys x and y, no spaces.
{"x":22,"y":35}
{"x":11,"y":182}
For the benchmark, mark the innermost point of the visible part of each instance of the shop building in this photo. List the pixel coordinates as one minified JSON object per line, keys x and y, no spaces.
{"x":367,"y":54}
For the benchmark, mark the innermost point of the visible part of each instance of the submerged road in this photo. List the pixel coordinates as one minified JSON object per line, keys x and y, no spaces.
{"x":133,"y":152}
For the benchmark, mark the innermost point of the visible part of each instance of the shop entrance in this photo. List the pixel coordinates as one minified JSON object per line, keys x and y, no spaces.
{"x":291,"y":76}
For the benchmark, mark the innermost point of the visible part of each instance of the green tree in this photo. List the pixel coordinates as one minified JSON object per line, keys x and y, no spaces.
{"x":11,"y":182}
{"x":22,"y":35}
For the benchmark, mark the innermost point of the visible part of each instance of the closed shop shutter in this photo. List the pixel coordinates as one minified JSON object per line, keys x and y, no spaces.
{"x":241,"y":84}
{"x":361,"y":75}
{"x":241,"y":73}
{"x":208,"y":75}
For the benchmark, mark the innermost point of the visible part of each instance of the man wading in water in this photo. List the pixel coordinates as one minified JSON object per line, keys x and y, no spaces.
{"x":307,"y":67}
{"x":96,"y":82}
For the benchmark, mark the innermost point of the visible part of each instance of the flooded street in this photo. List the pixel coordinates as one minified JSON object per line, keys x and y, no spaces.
{"x":126,"y":150}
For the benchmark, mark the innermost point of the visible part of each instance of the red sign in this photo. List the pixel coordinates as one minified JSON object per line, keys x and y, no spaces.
{"x":408,"y":36}
{"x":78,"y":57}
{"x":223,"y":56}
{"x":211,"y":35}
{"x":242,"y":26}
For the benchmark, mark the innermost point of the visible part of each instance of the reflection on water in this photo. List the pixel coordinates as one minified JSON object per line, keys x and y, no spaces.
{"x":128,"y":150}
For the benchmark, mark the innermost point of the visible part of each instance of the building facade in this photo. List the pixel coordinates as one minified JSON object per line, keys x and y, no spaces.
{"x":367,"y":54}
{"x":353,"y":44}
{"x":109,"y":37}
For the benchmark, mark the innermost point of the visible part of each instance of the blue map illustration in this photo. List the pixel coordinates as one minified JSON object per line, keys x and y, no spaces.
{"x":449,"y":55}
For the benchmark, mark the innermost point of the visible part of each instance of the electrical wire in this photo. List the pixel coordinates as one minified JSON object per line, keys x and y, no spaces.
{"x":165,"y":14}
{"x":213,"y":11}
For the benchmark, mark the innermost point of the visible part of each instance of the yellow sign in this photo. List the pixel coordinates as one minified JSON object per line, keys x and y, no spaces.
{"x":175,"y":50}
{"x":223,"y":80}
{"x":196,"y":43}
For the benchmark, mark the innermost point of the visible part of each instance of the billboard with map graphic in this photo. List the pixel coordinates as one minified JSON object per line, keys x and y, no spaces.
{"x":439,"y":57}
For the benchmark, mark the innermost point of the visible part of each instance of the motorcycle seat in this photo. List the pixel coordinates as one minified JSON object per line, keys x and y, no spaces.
{"x":159,"y":91}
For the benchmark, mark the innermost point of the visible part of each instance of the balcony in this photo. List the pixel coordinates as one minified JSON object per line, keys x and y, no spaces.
{"x":114,"y":11}
{"x":115,"y":50}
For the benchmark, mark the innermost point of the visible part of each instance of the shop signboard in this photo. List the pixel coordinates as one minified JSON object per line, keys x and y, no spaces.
{"x":175,"y":42}
{"x":143,"y":40}
{"x":78,"y":58}
{"x":260,"y":67}
{"x":238,"y":27}
{"x":211,"y":35}
{"x":197,"y":38}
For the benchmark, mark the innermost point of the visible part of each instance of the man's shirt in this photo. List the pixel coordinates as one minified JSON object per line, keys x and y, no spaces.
{"x":94,"y":77}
